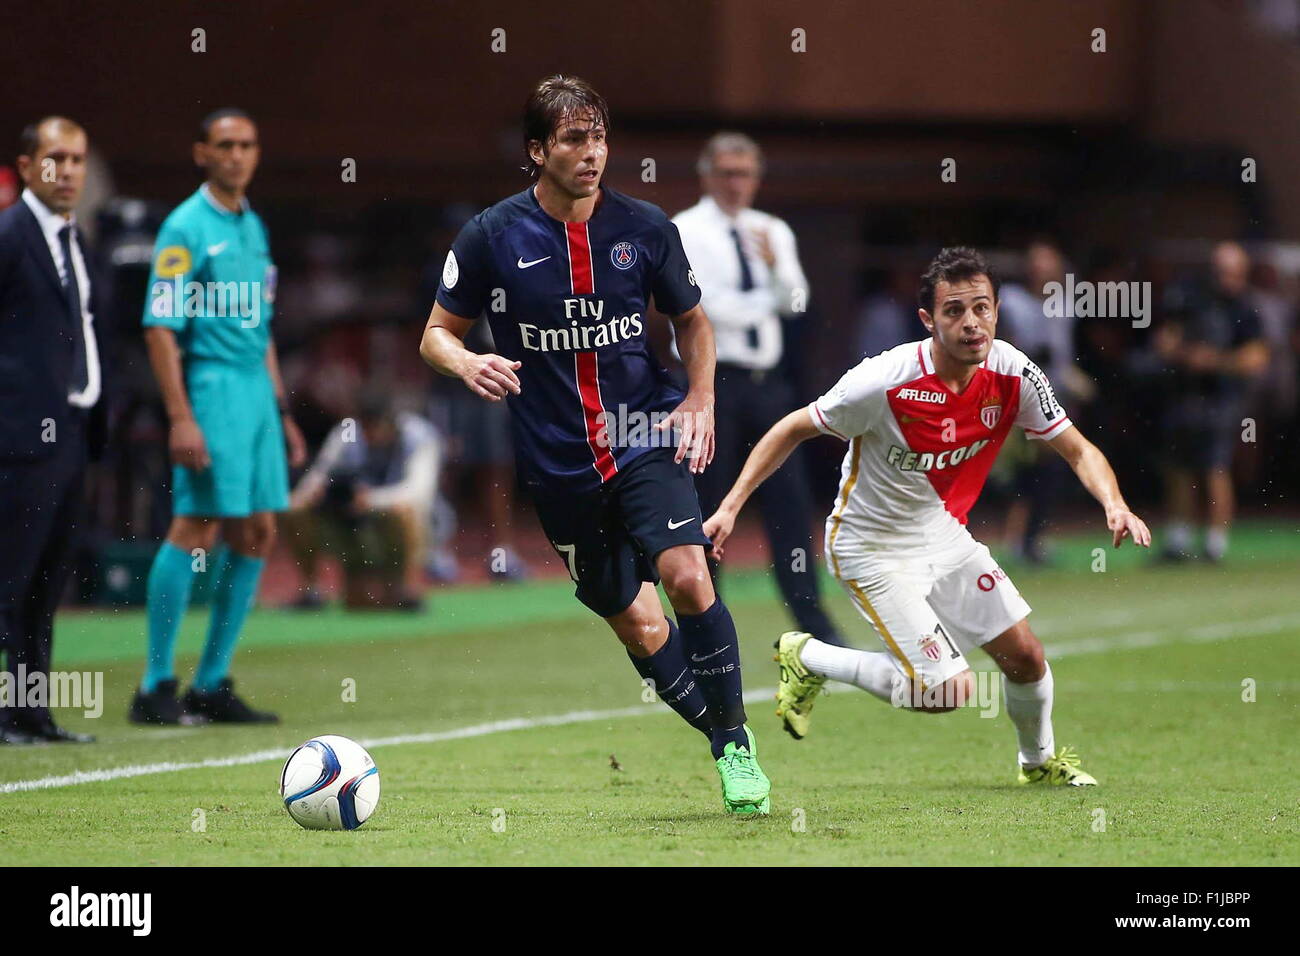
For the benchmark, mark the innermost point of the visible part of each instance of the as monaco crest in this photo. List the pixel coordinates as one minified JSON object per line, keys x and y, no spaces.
{"x":990,"y":415}
{"x":930,"y":647}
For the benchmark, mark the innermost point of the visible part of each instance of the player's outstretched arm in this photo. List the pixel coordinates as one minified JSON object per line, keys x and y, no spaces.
{"x":768,"y":455}
{"x":1098,"y":477}
{"x":443,"y":346}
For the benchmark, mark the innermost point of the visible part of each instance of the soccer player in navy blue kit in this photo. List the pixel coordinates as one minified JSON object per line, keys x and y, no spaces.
{"x":606,"y":444}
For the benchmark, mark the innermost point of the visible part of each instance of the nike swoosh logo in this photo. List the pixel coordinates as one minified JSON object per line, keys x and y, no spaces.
{"x":218,"y":249}
{"x":707,"y":656}
{"x":528,"y":265}
{"x":674,"y":525}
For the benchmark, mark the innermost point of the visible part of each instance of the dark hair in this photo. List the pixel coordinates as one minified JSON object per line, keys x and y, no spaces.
{"x":211,"y":120}
{"x":29,"y":140}
{"x":952,"y":265}
{"x":554,"y":100}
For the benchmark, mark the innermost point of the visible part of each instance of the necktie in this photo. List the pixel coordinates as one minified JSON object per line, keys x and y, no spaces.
{"x":72,"y":292}
{"x":746,"y":277}
{"x":746,"y":283}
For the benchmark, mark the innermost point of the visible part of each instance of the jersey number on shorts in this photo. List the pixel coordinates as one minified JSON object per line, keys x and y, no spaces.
{"x":938,"y":629}
{"x":570,"y":552}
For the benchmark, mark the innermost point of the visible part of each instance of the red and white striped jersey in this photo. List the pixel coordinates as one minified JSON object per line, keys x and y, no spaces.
{"x":919,"y":453}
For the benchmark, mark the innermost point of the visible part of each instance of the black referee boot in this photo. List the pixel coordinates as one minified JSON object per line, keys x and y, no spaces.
{"x":159,"y":707}
{"x":221,"y":706}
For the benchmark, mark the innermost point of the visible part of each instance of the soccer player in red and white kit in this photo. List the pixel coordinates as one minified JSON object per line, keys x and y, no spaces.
{"x":924,"y":422}
{"x":565,"y":271}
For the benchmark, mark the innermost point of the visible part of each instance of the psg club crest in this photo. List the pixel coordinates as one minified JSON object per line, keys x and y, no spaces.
{"x":990,"y":415}
{"x":930,"y":647}
{"x":623,"y":255}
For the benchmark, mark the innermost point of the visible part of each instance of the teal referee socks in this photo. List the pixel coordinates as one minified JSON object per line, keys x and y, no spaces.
{"x":232,"y":598}
{"x":171,"y":578}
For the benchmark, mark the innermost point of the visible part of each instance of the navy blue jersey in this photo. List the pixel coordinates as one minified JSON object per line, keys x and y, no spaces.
{"x":568,"y":300}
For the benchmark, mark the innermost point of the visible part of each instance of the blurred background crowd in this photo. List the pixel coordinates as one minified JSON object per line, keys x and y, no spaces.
{"x":1161,"y":151}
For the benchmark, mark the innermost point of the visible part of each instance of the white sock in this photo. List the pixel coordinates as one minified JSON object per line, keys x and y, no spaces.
{"x":871,"y":670}
{"x":1216,"y":542}
{"x":1030,"y":708}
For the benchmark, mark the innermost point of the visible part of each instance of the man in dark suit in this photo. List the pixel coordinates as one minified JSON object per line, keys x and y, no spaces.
{"x":51,"y":407}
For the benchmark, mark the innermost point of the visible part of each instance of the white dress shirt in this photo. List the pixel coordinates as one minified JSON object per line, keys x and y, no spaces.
{"x":51,"y":223}
{"x":1046,"y":339}
{"x":746,"y":324}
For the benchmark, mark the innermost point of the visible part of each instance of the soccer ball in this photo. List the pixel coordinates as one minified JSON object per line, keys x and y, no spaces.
{"x":330,"y":783}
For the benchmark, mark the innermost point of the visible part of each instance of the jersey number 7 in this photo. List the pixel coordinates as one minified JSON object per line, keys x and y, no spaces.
{"x":570,"y":552}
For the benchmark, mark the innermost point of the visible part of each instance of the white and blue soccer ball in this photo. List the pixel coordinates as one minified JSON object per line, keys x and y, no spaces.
{"x":330,"y":783}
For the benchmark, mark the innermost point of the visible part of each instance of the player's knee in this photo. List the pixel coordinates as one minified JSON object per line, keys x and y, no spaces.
{"x":1025,"y":662}
{"x":189,"y":533}
{"x":688,"y":585}
{"x":264,"y":537}
{"x":948,"y":696}
{"x":254,"y":536}
{"x":642,"y":636}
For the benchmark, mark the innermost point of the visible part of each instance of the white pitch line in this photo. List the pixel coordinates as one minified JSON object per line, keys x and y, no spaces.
{"x":262,"y":756}
{"x":1200,"y":634}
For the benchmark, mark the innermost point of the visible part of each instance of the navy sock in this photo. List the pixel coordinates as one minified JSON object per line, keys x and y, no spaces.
{"x":710,"y":641}
{"x":670,"y":676}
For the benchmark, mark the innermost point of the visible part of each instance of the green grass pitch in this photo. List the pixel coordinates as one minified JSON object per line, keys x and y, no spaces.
{"x":1149,"y":663}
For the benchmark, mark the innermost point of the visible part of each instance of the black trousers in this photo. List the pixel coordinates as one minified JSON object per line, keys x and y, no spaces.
{"x":40,"y":508}
{"x":748,"y":404}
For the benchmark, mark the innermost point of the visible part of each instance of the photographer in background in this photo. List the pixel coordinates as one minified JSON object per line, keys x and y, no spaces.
{"x":366,"y":499}
{"x":1214,"y":347}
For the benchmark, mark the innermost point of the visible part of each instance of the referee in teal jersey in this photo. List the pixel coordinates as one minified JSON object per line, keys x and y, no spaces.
{"x":208,"y":329}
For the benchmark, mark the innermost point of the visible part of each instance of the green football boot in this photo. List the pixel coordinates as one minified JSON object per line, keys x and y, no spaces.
{"x":745,"y":787}
{"x":798,"y":686}
{"x":1061,"y":770}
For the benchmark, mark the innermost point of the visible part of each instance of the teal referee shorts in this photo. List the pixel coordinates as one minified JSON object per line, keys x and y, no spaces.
{"x":236,"y":410}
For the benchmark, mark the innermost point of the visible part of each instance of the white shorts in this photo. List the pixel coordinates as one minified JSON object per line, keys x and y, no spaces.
{"x":929,"y":608}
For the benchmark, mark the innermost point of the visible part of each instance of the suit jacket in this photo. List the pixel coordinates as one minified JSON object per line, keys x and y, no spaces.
{"x":37,"y":342}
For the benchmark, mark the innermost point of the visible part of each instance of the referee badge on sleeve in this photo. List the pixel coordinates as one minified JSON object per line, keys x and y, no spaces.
{"x":173,"y":261}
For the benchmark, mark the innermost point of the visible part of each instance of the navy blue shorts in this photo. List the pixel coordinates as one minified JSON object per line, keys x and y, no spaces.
{"x":609,"y":538}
